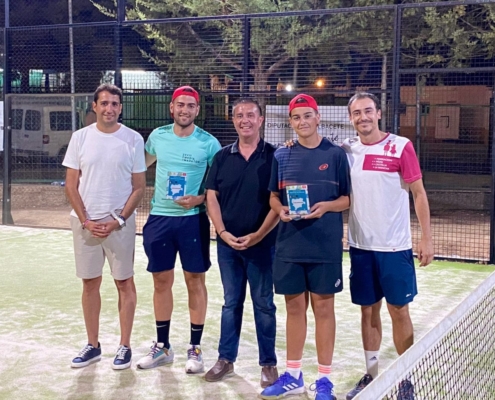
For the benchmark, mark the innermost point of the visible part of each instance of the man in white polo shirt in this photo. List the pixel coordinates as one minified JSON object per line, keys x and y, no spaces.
{"x":105,"y":182}
{"x":384,"y":167}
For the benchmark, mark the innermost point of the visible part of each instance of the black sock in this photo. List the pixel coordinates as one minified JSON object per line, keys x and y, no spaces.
{"x":162,"y":332}
{"x":196,"y":333}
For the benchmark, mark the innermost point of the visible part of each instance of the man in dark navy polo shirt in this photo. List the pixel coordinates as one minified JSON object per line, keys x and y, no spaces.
{"x":310,"y":188}
{"x":238,"y":203}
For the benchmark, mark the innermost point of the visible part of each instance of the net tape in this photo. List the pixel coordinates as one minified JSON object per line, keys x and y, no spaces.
{"x":454,"y":360}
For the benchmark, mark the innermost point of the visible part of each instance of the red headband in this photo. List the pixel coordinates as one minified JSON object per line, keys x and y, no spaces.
{"x":186,"y":91}
{"x":303,"y":100}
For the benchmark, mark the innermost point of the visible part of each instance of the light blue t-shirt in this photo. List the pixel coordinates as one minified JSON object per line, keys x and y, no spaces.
{"x":181,"y":165}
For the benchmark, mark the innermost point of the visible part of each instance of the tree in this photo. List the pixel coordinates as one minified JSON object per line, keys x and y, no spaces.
{"x":300,"y":48}
{"x":459,"y":36}
{"x":191,"y":51}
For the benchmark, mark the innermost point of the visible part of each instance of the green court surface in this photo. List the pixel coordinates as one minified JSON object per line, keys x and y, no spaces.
{"x":41,"y":328}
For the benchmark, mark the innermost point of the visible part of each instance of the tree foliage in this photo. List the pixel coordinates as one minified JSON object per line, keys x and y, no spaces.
{"x":332,"y":44}
{"x":460,"y":36}
{"x":218,"y":44}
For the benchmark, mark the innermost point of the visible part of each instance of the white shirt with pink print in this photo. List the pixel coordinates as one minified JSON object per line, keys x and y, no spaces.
{"x":379,"y":216}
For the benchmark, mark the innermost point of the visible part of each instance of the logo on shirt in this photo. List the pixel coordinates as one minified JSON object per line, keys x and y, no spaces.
{"x":323,"y":167}
{"x":389,"y":149}
{"x":190,"y":159}
{"x":337,"y":284}
{"x":373,"y":162}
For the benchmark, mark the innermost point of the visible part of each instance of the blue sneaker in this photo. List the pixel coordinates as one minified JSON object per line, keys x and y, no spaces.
{"x":285,"y":385}
{"x":323,"y":389}
{"x":88,"y":355}
{"x":123,"y":357}
{"x":360,"y":386}
{"x":406,"y":390}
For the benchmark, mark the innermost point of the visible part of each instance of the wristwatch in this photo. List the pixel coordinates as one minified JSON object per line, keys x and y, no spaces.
{"x":119,"y":218}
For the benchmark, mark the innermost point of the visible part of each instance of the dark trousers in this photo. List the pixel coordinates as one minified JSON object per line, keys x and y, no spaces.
{"x":237,"y":268}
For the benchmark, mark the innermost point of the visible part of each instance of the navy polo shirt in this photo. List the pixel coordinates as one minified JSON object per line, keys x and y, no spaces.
{"x":325,"y":170}
{"x":242,"y":187}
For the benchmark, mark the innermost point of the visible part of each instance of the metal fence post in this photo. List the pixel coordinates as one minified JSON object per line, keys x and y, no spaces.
{"x":7,"y":132}
{"x":246,"y":44}
{"x":395,"y":69}
{"x":118,"y":43}
{"x":492,"y":194}
{"x":418,"y":116}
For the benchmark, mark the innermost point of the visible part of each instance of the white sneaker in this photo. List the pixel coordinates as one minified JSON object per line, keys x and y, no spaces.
{"x":194,"y":364}
{"x":158,"y":355}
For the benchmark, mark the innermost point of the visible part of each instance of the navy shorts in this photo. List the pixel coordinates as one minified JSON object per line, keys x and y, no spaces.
{"x":378,"y":274}
{"x":294,"y":278}
{"x":164,"y":236}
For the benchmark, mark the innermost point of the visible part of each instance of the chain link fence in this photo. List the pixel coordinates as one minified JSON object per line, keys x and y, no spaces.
{"x":432,"y":65}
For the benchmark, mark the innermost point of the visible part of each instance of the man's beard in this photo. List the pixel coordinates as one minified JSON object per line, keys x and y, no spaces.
{"x":177,"y":122}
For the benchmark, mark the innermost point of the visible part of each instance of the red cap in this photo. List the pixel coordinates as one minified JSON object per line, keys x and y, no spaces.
{"x":187,"y":91}
{"x":303,"y":100}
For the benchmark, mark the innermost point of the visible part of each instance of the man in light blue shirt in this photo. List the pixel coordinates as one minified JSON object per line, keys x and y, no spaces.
{"x":178,"y":223}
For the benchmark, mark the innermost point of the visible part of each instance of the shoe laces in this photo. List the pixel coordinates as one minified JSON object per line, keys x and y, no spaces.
{"x":121,"y":352}
{"x":322,"y":386}
{"x":154,"y":349}
{"x":193,"y":353}
{"x":85,"y":350}
{"x":283,"y":379}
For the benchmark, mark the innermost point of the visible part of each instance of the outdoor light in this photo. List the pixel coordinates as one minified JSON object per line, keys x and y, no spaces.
{"x":134,"y":71}
{"x":288,"y":87}
{"x":320,"y":83}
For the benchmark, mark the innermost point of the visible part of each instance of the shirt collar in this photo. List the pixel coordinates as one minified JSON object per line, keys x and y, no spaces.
{"x":260,"y":148}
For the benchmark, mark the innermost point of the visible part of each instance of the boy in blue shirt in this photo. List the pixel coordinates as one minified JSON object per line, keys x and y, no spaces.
{"x":313,"y":175}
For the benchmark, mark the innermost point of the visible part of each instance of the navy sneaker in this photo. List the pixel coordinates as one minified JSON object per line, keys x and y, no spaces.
{"x":88,"y":355}
{"x":323,"y":389}
{"x":123,"y":357}
{"x":363,"y":382}
{"x":406,"y":390}
{"x":285,"y":385}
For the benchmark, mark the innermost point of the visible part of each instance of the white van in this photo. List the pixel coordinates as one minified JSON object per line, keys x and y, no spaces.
{"x":42,"y":130}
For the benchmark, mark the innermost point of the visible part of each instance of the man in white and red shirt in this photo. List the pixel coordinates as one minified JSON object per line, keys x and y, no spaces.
{"x":384,"y":167}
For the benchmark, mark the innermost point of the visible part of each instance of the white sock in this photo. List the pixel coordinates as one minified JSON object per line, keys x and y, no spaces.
{"x":324,"y":371}
{"x":372,"y":358}
{"x":294,"y":368}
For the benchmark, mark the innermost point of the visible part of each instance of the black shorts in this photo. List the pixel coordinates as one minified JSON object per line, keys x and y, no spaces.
{"x":164,"y":236}
{"x":295,"y":277}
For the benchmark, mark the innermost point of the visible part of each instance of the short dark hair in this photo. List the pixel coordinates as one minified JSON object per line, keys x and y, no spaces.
{"x":108,"y":87}
{"x":364,"y":95}
{"x":247,"y":100}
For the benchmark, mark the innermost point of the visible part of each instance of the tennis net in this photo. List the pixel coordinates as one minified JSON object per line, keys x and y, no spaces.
{"x":455,"y":360}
